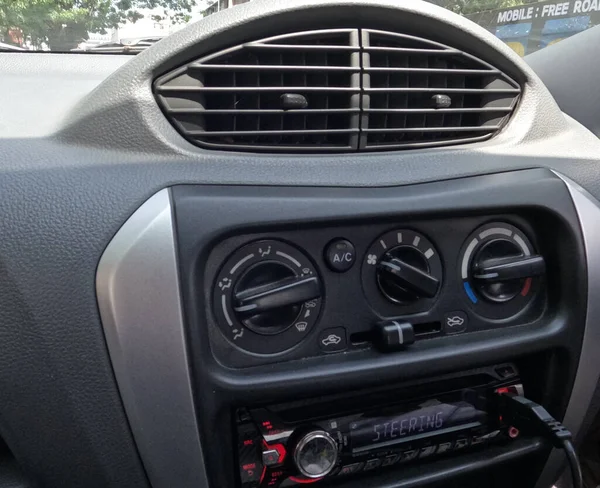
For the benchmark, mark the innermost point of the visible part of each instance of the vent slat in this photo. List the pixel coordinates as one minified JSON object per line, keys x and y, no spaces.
{"x":224,"y":133}
{"x":306,"y":111}
{"x":487,"y":128}
{"x":232,"y":99}
{"x":288,"y":89}
{"x":408,"y":50}
{"x":423,"y":144}
{"x":434,"y":71}
{"x":300,"y":47}
{"x":438,"y":110}
{"x":507,"y":91}
{"x":275,"y":67}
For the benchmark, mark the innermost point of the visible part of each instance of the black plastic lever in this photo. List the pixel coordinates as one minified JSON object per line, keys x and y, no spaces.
{"x":282,"y":293}
{"x":410,"y":277}
{"x":509,"y":268}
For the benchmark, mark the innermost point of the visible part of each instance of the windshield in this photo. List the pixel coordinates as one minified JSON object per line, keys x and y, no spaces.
{"x":130,"y":26}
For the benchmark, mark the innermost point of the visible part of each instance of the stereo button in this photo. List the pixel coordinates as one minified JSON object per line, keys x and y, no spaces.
{"x":350,"y":469}
{"x":410,"y":455}
{"x":478,"y":439}
{"x":372,"y":464}
{"x":444,"y":447}
{"x":461,"y":444}
{"x":270,"y":457}
{"x":427,"y":451}
{"x":250,"y":472}
{"x":389,"y":460}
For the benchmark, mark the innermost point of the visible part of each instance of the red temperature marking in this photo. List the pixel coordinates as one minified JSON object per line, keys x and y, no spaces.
{"x":526,"y":287}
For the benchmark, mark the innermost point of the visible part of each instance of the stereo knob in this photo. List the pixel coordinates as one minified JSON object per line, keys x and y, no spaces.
{"x":269,"y":295}
{"x":315,"y":454}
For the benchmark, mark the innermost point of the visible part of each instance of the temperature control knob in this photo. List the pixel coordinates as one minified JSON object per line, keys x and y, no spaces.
{"x":500,"y":270}
{"x":267,"y":297}
{"x":402,"y":272}
{"x":315,"y":454}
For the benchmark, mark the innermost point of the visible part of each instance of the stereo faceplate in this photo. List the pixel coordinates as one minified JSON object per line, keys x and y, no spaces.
{"x":342,"y":437}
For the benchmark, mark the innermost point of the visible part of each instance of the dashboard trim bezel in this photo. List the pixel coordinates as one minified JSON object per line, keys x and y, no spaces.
{"x":588,"y":370}
{"x":147,"y":346}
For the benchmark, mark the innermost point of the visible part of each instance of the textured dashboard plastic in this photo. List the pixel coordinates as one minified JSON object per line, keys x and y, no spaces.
{"x":577,"y":96}
{"x":68,"y":182}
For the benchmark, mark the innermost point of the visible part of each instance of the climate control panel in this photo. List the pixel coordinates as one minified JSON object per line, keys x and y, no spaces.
{"x":380,"y":287}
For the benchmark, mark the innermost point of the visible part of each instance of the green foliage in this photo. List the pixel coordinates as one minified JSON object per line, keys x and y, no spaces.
{"x":62,"y":24}
{"x":466,"y":7}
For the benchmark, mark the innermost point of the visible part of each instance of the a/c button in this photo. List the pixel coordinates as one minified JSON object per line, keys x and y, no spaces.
{"x":340,"y":255}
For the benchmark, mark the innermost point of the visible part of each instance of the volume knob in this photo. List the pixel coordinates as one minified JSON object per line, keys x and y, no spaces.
{"x":316,"y":454}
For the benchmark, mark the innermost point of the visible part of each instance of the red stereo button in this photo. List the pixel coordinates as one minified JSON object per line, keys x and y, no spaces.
{"x":270,"y":457}
{"x":250,"y":472}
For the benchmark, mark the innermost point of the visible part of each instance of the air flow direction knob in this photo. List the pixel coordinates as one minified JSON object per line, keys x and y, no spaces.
{"x":268,"y":297}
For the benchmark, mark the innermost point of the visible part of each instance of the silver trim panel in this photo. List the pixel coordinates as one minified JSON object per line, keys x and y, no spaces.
{"x":138,"y":292}
{"x":588,"y":370}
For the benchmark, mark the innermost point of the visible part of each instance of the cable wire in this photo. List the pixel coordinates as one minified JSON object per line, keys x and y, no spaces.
{"x":531,"y":417}
{"x":574,"y":464}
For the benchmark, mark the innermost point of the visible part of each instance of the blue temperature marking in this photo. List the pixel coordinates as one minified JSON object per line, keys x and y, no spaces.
{"x":469,"y":291}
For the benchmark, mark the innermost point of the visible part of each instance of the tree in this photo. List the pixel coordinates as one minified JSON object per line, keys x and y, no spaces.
{"x":63,"y":24}
{"x":465,"y":7}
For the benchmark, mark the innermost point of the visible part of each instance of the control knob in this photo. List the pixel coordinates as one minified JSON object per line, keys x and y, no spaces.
{"x":315,"y":454}
{"x":500,"y":269}
{"x":403,"y":275}
{"x":269,"y":295}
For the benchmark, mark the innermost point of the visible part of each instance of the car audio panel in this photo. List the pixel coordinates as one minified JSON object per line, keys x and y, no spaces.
{"x":334,"y":438}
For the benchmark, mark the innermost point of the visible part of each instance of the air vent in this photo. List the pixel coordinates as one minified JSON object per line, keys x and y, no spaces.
{"x":337,"y":90}
{"x":406,"y":79}
{"x":237,"y":99}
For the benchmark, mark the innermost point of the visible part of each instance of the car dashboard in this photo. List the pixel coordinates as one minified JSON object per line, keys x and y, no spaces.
{"x":294,"y":243}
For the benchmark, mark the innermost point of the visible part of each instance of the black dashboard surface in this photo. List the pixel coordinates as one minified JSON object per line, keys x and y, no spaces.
{"x":81,"y":152}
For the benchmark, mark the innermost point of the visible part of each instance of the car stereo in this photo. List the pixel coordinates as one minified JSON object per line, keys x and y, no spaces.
{"x":305,"y":442}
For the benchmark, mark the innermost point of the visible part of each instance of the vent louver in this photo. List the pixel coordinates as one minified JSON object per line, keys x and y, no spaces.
{"x":361,"y":90}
